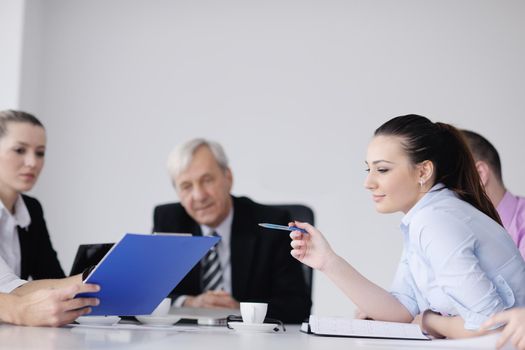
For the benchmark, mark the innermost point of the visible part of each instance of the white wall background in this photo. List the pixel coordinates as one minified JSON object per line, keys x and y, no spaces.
{"x":293,"y":89}
{"x":11,"y":29}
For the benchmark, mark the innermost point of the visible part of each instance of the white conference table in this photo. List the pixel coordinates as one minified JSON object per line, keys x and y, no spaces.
{"x":202,"y":337}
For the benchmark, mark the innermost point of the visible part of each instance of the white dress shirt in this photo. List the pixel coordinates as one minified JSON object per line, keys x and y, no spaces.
{"x":8,"y":280}
{"x":9,"y":242}
{"x":457,"y":261}
{"x":224,"y":230}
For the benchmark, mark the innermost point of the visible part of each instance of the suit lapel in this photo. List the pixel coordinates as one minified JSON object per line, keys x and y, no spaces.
{"x":242,"y":245}
{"x":196,"y":231}
{"x":183,"y":223}
{"x":22,"y":238}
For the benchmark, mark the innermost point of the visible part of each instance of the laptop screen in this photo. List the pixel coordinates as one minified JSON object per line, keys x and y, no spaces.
{"x":88,"y":255}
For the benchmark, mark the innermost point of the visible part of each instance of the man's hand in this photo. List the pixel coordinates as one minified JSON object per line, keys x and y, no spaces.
{"x":212,"y":299}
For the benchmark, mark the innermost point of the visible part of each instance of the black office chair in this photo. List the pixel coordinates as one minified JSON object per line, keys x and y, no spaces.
{"x":302,"y":213}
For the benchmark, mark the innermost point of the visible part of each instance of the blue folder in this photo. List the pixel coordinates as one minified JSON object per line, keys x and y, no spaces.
{"x":142,"y":269}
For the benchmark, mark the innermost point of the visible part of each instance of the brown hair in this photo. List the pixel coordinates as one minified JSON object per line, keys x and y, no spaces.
{"x":445,"y":147}
{"x":483,"y":150}
{"x":12,"y":116}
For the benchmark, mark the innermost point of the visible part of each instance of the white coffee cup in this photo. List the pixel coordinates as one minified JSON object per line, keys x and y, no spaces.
{"x":253,"y":312}
{"x":163,"y":308}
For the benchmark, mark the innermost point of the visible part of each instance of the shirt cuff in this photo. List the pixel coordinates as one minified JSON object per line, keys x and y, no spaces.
{"x":474,"y":320}
{"x":11,"y":285}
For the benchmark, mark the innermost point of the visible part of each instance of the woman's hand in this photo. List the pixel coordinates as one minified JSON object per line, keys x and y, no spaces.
{"x":360,"y":315}
{"x":423,"y":320}
{"x":312,"y":248}
{"x":53,"y":307}
{"x":514,"y":329}
{"x":418,"y":319}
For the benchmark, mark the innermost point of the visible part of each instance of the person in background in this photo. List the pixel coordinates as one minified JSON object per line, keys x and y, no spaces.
{"x":459,"y":266}
{"x":249,"y":263}
{"x":511,"y":208}
{"x":25,"y":245}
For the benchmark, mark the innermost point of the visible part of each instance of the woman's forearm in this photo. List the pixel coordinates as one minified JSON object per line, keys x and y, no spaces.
{"x":370,"y":298}
{"x":452,"y":327}
{"x":313,"y":250}
{"x":32,"y":286}
{"x":7,"y":307}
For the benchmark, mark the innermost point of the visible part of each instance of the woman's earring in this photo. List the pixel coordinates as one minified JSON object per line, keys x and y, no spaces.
{"x":421,"y":183}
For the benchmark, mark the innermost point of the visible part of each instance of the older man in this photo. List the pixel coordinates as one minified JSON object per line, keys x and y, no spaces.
{"x":249,"y":263}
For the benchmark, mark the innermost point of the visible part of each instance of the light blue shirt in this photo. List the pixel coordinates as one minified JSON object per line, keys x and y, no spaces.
{"x":457,"y":261}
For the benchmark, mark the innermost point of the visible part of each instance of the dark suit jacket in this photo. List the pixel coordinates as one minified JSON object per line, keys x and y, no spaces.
{"x":261,"y":265}
{"x":39,"y":259}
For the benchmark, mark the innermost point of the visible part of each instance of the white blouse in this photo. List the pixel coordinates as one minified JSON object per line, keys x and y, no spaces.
{"x":9,"y":242}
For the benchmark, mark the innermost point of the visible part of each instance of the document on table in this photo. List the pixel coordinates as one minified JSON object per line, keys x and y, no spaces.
{"x":348,"y":327}
{"x":142,"y":269}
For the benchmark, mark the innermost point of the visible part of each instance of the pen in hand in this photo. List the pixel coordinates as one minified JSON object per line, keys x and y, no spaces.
{"x":282,"y":227}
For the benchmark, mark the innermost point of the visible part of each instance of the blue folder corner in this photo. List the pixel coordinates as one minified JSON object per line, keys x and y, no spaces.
{"x":142,"y":269}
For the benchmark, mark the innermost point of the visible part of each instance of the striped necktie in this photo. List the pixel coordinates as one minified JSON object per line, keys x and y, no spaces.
{"x":211,"y":269}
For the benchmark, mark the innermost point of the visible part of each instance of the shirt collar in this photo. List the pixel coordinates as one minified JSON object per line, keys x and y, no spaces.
{"x":223,"y":229}
{"x":507,"y":207}
{"x":424,"y":201}
{"x":21,"y":216}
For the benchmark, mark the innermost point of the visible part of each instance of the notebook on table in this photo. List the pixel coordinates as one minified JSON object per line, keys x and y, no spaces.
{"x":349,"y":327}
{"x":142,"y":269}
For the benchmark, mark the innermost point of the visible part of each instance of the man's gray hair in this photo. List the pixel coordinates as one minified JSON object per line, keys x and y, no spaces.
{"x":182,"y":155}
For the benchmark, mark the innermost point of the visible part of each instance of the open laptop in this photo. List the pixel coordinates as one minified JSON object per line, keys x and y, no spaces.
{"x":89,"y":255}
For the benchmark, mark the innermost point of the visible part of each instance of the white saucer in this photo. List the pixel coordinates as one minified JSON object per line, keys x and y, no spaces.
{"x":252,"y":327}
{"x":98,"y":320}
{"x":159,"y":321}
